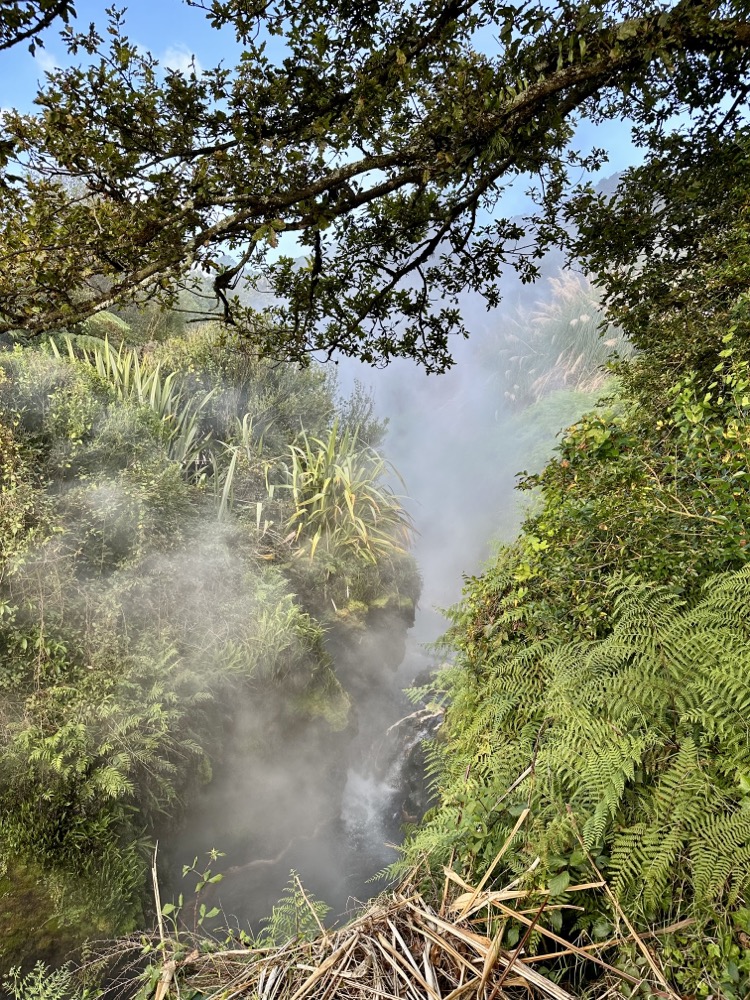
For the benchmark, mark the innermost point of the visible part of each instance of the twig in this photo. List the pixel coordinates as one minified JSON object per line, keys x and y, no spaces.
{"x":157,"y":897}
{"x":323,"y":931}
{"x":518,"y":951}
{"x":305,"y":988}
{"x":574,"y":948}
{"x":611,"y":942}
{"x":167,"y":974}
{"x":511,"y":788}
{"x":444,"y":900}
{"x":519,"y":823}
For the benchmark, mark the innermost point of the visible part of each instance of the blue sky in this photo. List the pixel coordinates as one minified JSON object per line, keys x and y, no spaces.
{"x":170,"y":29}
{"x":174,"y":32}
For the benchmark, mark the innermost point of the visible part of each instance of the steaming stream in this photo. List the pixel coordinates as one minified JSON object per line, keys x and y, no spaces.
{"x":329,"y":805}
{"x":335,"y":826}
{"x":385,"y":782}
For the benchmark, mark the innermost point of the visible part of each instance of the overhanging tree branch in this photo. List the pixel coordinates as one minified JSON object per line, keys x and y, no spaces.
{"x":21,"y":20}
{"x":227,"y":162}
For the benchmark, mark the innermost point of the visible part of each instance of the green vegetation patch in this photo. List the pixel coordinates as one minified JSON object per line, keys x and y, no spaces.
{"x":156,"y":580}
{"x":598,"y":677}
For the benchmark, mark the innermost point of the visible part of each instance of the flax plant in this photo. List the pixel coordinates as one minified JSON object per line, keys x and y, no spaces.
{"x":245,"y":450}
{"x":342,"y":505}
{"x":179,"y":414}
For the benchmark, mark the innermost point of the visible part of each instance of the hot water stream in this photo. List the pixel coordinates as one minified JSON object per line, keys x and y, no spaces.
{"x":330,"y":806}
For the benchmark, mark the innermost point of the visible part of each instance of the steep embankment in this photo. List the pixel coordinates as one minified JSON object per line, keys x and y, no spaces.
{"x":176,"y":555}
{"x":599,"y":686}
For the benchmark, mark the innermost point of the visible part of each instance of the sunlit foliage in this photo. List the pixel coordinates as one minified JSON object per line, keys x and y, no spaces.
{"x":599,"y":669}
{"x":382,"y":141}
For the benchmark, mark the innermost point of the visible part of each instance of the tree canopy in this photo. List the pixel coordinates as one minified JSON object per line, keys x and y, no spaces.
{"x":380,"y":135}
{"x":24,"y":20}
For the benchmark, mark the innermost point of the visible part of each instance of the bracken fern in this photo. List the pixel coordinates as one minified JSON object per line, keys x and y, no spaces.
{"x":644,"y":735}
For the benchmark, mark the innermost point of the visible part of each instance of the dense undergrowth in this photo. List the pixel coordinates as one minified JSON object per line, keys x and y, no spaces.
{"x":600,"y":667}
{"x":183,"y":531}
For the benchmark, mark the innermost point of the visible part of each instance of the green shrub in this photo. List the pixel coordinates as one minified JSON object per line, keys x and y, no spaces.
{"x":601,"y":664}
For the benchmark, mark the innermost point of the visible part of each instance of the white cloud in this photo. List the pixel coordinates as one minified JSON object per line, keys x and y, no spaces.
{"x":45,"y":61}
{"x":179,"y":57}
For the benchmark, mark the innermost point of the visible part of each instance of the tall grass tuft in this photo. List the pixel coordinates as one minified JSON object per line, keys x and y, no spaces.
{"x":342,"y":505}
{"x":178,"y":413}
{"x":563,"y":343}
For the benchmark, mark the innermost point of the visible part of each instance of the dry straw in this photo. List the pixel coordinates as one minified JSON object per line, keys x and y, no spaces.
{"x":401,"y":948}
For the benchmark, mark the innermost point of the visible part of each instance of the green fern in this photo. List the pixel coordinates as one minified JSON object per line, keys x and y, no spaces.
{"x":643,"y":734}
{"x":42,"y":983}
{"x":297,"y":916}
